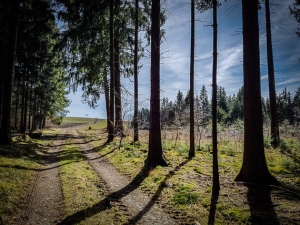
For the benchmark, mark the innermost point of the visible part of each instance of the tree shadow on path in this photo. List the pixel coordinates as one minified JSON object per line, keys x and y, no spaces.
{"x":118,"y":195}
{"x":213,"y":208}
{"x":155,"y":197}
{"x":261,"y":205}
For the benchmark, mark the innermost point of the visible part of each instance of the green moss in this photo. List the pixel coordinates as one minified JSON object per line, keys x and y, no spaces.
{"x":239,"y":215}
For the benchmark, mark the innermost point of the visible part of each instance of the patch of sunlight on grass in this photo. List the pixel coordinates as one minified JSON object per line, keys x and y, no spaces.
{"x":17,"y":166}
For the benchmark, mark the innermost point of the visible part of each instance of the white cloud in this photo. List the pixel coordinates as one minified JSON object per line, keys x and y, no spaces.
{"x":176,"y":52}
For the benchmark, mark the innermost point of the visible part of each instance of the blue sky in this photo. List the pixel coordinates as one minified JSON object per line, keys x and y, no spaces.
{"x":175,"y":51}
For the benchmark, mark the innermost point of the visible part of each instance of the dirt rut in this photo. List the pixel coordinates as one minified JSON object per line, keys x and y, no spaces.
{"x":143,"y":209}
{"x":45,"y":198}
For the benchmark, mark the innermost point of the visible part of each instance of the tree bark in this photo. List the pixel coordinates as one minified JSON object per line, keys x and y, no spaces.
{"x":118,"y":99}
{"x":155,"y":154}
{"x":17,"y":104}
{"x":272,"y":90}
{"x":192,"y":116}
{"x":254,"y":168}
{"x":216,"y":182}
{"x":112,"y":77}
{"x":106,"y":93}
{"x":5,"y":133}
{"x":136,"y":89}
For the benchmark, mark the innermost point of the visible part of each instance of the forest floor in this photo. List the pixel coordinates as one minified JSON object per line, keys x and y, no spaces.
{"x":46,"y":199}
{"x":72,"y":176}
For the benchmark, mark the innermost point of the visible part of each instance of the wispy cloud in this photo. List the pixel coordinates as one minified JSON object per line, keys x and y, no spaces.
{"x":176,"y":51}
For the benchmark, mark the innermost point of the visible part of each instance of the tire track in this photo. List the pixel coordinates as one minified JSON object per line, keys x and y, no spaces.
{"x":142,"y":209}
{"x":45,"y":197}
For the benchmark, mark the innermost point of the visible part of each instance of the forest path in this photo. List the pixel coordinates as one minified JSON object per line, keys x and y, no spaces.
{"x":45,"y":197}
{"x":142,"y":208}
{"x":45,"y":200}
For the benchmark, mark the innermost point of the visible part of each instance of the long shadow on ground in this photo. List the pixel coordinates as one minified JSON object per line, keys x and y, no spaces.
{"x":116,"y":196}
{"x":261,"y":205}
{"x":213,"y":208}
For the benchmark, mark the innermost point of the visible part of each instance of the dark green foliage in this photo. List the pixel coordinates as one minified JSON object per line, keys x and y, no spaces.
{"x":230,"y":108}
{"x":295,"y":10}
{"x":37,"y":90}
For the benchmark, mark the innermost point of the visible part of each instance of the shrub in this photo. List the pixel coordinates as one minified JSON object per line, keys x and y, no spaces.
{"x":290,"y":164}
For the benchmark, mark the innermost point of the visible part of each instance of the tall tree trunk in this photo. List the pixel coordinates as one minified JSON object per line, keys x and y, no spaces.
{"x":1,"y":97}
{"x":216,"y":182}
{"x":30,"y":109}
{"x":192,"y":116}
{"x":254,"y":168}
{"x":34,"y":112}
{"x":22,"y":104}
{"x":111,"y":126}
{"x":155,"y":154}
{"x":5,"y":133}
{"x":17,"y":104}
{"x":272,"y":91}
{"x":106,"y":93}
{"x":25,"y":108}
{"x":118,"y":99}
{"x":136,"y":89}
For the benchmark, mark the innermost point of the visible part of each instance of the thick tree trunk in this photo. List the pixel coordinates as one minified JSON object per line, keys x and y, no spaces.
{"x":111,"y":126}
{"x":136,"y":89}
{"x":216,"y":182}
{"x":272,"y":91}
{"x":5,"y":133}
{"x":155,"y":154}
{"x":192,"y":117}
{"x":254,"y":168}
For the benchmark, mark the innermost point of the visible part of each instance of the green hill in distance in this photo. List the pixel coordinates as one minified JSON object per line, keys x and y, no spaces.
{"x":75,"y":121}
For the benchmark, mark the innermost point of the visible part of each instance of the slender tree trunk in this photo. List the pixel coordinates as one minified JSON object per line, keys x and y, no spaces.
{"x":22,"y":104}
{"x":254,"y":168}
{"x":34,"y":112}
{"x":24,"y":126}
{"x":272,"y":91}
{"x":111,"y":126}
{"x":17,"y":104}
{"x":1,"y":97}
{"x":216,"y":182}
{"x":30,"y":109}
{"x":192,"y":116}
{"x":136,"y":89}
{"x":5,"y":133}
{"x":106,"y":93}
{"x":118,"y":99}
{"x":155,"y":154}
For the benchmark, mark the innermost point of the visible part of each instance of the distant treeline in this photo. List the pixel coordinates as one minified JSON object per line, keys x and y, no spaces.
{"x":229,"y":108}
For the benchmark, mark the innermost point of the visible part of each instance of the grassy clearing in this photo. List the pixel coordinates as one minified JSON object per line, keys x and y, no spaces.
{"x":82,"y":190}
{"x":18,"y":163}
{"x":79,"y":120}
{"x":184,"y":186}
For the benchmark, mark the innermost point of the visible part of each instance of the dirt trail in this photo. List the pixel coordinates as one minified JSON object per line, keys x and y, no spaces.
{"x":45,"y":200}
{"x":45,"y":196}
{"x":142,"y":208}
